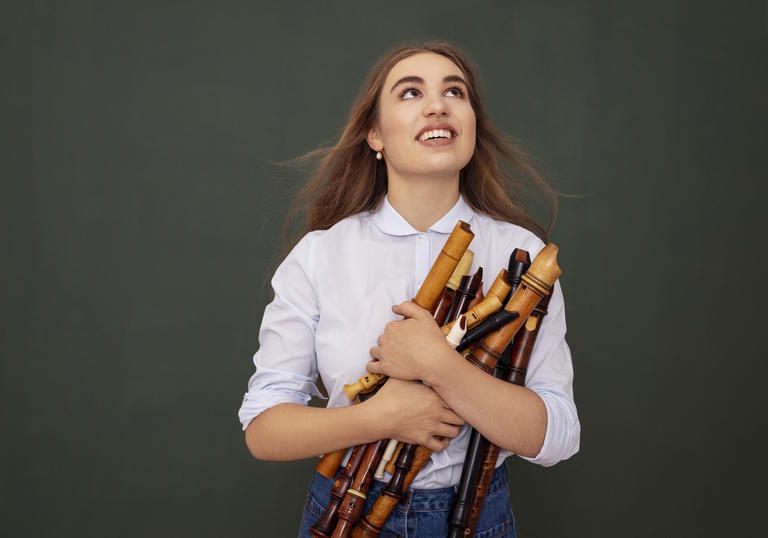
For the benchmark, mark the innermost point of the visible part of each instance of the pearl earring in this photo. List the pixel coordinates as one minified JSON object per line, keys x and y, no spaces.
{"x":379,"y":155}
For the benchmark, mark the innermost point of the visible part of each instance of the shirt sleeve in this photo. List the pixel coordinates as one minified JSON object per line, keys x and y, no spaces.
{"x":286,"y":364}
{"x":550,"y":375}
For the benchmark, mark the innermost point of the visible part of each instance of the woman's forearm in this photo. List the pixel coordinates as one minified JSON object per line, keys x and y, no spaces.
{"x":405,"y":410}
{"x":508,"y":415}
{"x":291,"y":432}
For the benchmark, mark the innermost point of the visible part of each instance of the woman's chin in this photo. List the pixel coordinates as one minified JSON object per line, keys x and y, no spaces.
{"x":442,"y":169}
{"x":437,"y":173}
{"x":437,"y":166}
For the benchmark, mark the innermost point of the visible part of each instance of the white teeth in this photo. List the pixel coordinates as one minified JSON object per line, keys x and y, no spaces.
{"x":436,"y":133}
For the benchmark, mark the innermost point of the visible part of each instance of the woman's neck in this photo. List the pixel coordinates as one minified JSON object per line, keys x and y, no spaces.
{"x":424,"y":201}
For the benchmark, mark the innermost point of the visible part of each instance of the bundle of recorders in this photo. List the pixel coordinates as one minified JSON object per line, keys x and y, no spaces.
{"x":486,"y":332}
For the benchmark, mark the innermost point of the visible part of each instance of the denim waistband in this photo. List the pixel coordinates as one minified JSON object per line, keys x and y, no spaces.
{"x":414,"y":499}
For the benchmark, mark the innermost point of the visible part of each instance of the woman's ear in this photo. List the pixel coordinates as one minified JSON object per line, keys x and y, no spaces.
{"x":374,"y":139}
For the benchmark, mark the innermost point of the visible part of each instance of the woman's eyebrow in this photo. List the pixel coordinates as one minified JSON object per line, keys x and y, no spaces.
{"x":419,"y":80}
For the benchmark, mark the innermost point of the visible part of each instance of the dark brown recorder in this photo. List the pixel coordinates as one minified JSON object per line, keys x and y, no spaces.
{"x":444,"y":304}
{"x":512,"y":367}
{"x":327,"y":522}
{"x":536,"y":283}
{"x":464,"y":294}
{"x":461,"y":512}
{"x":352,"y":506}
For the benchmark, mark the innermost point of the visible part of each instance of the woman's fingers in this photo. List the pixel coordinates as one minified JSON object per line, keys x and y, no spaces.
{"x":436,"y":444}
{"x":374,"y":366}
{"x":448,"y":430}
{"x":449,"y":417}
{"x":411,"y":310}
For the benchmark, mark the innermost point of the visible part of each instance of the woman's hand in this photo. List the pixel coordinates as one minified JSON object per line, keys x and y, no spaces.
{"x":410,"y":348}
{"x":412,"y":412}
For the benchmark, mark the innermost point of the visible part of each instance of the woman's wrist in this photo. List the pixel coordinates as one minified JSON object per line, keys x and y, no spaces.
{"x":371,"y":421}
{"x":437,"y":368}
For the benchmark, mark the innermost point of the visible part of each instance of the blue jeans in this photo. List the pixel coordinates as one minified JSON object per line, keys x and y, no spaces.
{"x":422,"y":512}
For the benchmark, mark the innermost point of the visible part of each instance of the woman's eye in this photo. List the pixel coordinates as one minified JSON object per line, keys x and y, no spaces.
{"x":408,"y":91}
{"x":459,"y":91}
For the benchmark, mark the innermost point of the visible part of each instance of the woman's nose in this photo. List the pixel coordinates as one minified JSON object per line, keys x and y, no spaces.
{"x":436,"y":106}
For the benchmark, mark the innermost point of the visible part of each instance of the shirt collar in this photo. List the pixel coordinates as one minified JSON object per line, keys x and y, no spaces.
{"x":389,"y":221}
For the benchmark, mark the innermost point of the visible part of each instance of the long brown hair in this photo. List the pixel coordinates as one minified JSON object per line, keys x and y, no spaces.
{"x":347,"y":179}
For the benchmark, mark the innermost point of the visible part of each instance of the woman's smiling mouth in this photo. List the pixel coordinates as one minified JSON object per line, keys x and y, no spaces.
{"x":436,"y":135}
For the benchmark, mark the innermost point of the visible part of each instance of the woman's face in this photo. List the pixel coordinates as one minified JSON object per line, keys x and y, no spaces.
{"x":423,"y":96}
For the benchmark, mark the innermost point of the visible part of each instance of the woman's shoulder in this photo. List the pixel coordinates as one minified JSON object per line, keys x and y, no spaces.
{"x":506,"y":233}
{"x":346,"y":229}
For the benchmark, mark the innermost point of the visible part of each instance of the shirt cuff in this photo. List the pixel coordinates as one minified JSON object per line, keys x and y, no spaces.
{"x":268,"y":388}
{"x":561,"y":440}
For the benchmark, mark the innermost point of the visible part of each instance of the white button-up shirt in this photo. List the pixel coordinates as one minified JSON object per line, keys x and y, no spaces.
{"x":333,"y":297}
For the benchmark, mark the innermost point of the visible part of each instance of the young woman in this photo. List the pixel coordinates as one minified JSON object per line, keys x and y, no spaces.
{"x":418,"y":154}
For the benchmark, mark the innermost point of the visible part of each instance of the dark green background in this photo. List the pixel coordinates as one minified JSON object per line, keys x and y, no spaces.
{"x":141,"y":218}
